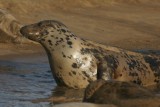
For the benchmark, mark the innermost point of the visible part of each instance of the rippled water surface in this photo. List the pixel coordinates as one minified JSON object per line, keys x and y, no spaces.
{"x":23,"y":80}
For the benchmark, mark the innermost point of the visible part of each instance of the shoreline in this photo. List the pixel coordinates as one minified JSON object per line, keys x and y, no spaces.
{"x":22,"y":52}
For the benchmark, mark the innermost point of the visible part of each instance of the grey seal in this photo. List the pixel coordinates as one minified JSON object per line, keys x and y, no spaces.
{"x":75,"y":62}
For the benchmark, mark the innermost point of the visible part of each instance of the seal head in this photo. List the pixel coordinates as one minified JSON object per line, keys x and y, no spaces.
{"x":36,"y":31}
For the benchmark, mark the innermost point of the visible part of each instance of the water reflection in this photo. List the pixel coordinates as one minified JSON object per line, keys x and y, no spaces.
{"x":152,"y":52}
{"x":68,"y":94}
{"x":21,"y":82}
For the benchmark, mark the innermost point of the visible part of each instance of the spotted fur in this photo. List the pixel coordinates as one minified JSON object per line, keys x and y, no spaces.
{"x":76,"y":62}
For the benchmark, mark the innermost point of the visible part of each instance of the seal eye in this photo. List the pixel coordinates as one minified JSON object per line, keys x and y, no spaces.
{"x":45,"y":32}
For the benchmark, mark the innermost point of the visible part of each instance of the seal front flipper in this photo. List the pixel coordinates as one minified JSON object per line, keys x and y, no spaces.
{"x":103,"y":71}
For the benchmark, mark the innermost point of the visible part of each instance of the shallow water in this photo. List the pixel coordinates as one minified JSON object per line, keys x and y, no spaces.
{"x":22,"y":81}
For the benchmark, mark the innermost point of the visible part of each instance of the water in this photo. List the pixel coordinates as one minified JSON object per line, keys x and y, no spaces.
{"x":153,"y":52}
{"x":22,"y":81}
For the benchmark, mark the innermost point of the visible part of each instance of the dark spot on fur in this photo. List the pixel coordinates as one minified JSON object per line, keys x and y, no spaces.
{"x":97,"y":54}
{"x":138,"y":81}
{"x":57,"y":43}
{"x":58,"y":26}
{"x":154,"y":63}
{"x":75,"y":86}
{"x":50,"y":42}
{"x":85,"y":58}
{"x":156,"y":81}
{"x":85,"y":74}
{"x":112,"y":62}
{"x":67,"y":38}
{"x":52,"y":35}
{"x":88,"y":51}
{"x":63,"y":55}
{"x":74,"y":72}
{"x":93,"y":66}
{"x":73,"y":35}
{"x":61,"y":39}
{"x":132,"y":64}
{"x":70,"y":73}
{"x":42,"y":39}
{"x":124,"y":68}
{"x":63,"y":30}
{"x":54,"y":27}
{"x":70,"y":56}
{"x":133,"y":74}
{"x":74,"y":65}
{"x":60,"y":67}
{"x":69,"y":42}
{"x":84,"y":78}
{"x":83,"y":39}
